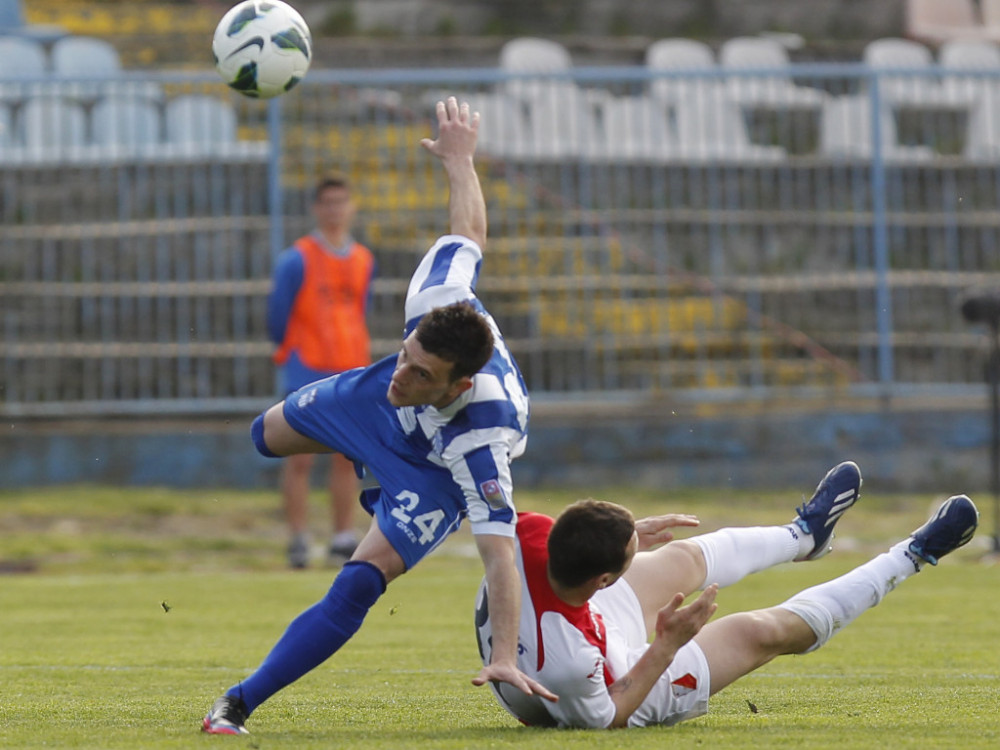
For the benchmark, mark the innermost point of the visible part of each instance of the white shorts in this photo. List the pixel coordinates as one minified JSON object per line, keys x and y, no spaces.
{"x":682,"y":692}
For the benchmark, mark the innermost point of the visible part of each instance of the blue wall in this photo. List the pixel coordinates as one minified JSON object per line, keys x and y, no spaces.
{"x":944,"y":451}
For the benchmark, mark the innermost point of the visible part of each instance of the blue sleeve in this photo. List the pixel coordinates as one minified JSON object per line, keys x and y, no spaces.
{"x":287,"y":280}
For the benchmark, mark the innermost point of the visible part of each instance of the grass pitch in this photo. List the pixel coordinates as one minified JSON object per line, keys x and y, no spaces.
{"x":124,"y":613}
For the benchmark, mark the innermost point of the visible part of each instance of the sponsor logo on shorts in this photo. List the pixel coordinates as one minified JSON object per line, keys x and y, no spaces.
{"x":492,"y":493}
{"x":408,"y":531}
{"x":684,"y":685}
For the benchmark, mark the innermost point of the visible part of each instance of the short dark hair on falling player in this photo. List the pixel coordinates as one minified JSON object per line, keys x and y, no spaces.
{"x":589,"y":539}
{"x":457,"y":334}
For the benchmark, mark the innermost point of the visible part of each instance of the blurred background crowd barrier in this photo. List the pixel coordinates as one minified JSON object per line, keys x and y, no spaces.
{"x":706,"y":225}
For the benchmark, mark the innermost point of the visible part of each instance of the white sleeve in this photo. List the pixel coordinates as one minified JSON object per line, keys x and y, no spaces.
{"x":574,"y":670}
{"x":448,"y":273}
{"x":484,"y":476}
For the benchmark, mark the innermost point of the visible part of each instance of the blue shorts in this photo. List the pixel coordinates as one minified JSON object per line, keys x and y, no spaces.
{"x":418,"y":503}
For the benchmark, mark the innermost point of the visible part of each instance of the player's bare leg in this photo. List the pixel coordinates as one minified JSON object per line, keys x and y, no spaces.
{"x":344,"y":488}
{"x":295,"y":473}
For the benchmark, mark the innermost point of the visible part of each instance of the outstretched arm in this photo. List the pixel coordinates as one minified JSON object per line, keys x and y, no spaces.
{"x":675,"y":626}
{"x":504,"y":585}
{"x":455,"y":146}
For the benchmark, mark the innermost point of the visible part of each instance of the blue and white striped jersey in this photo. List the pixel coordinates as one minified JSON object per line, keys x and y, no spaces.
{"x":478,"y":434}
{"x":434,"y":466}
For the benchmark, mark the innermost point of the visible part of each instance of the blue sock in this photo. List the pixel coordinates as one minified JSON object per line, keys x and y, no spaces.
{"x":316,"y":634}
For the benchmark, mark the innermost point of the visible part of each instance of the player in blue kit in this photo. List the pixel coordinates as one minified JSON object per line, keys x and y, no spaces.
{"x":437,"y":425}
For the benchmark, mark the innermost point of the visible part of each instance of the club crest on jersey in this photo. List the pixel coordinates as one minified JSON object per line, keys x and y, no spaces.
{"x":684,"y":685}
{"x":598,"y":674}
{"x":492,"y":493}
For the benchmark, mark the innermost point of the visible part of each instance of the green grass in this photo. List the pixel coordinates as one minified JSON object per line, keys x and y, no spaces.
{"x":89,"y":658}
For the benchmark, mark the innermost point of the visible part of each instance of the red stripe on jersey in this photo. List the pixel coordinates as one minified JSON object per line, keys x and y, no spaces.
{"x":533,"y":535}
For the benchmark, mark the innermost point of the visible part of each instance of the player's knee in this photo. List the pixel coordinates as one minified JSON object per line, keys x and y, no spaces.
{"x":359,"y":585}
{"x":690,"y":555}
{"x":257,"y":435}
{"x":776,"y":631}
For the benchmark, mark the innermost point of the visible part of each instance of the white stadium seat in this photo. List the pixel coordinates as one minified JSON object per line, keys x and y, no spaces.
{"x":126,"y":123}
{"x":965,"y":67}
{"x":905,"y":71}
{"x":530,"y":55}
{"x":200,"y":121}
{"x":678,"y":57}
{"x":714,"y":129}
{"x":846,"y":132}
{"x":51,"y":127}
{"x":639,"y":129}
{"x":84,"y":56}
{"x":777,"y":90}
{"x":6,"y":127}
{"x":21,"y":58}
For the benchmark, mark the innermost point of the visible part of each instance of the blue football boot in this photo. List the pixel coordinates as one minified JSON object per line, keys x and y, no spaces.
{"x":949,"y":528}
{"x":837,"y":492}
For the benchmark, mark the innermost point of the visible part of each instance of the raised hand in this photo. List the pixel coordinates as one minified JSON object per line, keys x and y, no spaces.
{"x":656,"y":529}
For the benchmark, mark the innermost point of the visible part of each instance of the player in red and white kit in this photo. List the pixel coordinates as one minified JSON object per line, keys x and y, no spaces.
{"x":592,"y":591}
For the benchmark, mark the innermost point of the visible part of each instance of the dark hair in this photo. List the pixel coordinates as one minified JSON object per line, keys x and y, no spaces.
{"x":330,"y":181}
{"x":589,"y":539}
{"x":457,"y":334}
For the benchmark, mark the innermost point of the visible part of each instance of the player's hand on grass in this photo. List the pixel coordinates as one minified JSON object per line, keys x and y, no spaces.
{"x":510,"y":674}
{"x":656,"y":529}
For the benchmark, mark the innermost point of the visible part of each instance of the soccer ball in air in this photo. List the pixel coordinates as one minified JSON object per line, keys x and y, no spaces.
{"x":262,"y":48}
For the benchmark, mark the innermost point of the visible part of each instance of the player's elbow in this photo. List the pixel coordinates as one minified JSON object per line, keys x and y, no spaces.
{"x":620,"y":721}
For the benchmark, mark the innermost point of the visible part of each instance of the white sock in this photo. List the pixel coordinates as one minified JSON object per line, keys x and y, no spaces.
{"x":732,"y":554}
{"x":830,"y":607}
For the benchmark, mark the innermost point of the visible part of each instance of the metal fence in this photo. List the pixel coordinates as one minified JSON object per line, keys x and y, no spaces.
{"x":706,"y":234}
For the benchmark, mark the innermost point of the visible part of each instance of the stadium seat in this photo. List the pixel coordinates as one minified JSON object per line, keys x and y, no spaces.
{"x":970,"y":54}
{"x":198,"y":125}
{"x":534,"y":57}
{"x":84,"y":56}
{"x":21,"y":58}
{"x":777,"y":90}
{"x":51,"y":127}
{"x":905,"y":72}
{"x":846,"y":132}
{"x":503,"y":129}
{"x":6,"y":127}
{"x":983,"y":142}
{"x":966,"y":65}
{"x":714,"y":129}
{"x":639,"y":129}
{"x":556,"y":117}
{"x":937,"y":21}
{"x":678,"y":57}
{"x":125,"y":125}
